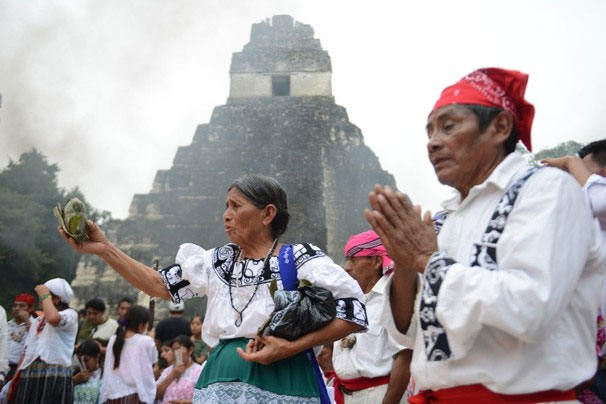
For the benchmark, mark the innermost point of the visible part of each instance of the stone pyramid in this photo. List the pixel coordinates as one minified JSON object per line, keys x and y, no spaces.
{"x":280,"y":120}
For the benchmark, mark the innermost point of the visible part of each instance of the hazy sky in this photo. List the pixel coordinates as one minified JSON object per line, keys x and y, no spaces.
{"x":109,"y":89}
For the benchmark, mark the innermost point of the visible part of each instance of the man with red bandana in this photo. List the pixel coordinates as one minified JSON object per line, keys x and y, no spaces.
{"x":499,"y":305}
{"x":18,"y":326}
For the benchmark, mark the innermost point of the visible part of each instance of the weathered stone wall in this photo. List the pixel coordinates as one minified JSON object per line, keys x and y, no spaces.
{"x":301,"y":84}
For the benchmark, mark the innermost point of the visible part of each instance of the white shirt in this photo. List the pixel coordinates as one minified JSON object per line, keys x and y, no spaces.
{"x":17,"y":333}
{"x":3,"y":345}
{"x":135,"y":373}
{"x":105,"y":330}
{"x":198,"y":272}
{"x":372,"y":355}
{"x":54,"y":345}
{"x":595,"y":190}
{"x":529,"y":325}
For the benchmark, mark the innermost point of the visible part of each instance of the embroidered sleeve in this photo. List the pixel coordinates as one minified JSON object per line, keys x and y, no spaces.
{"x":437,"y":347}
{"x":314,"y":266}
{"x":188,"y":277}
{"x":352,"y":310}
{"x":67,"y":318}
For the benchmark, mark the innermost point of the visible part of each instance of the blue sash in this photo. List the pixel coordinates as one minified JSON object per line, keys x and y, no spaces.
{"x":288,"y":274}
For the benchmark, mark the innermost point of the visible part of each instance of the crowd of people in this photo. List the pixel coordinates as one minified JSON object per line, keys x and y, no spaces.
{"x":499,"y":298}
{"x":56,"y":355}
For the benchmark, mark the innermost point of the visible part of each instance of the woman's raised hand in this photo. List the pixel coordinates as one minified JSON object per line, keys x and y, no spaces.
{"x":96,"y":242}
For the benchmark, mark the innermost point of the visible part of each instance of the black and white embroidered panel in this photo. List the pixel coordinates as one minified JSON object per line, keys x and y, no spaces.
{"x":179,"y":288}
{"x":484,"y":253}
{"x":353,"y":310}
{"x":434,"y":336}
{"x":438,"y":220}
{"x":306,"y":252}
{"x":224,"y":260}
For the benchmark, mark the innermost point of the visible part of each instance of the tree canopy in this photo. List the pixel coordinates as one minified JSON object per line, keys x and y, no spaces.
{"x":31,"y":249}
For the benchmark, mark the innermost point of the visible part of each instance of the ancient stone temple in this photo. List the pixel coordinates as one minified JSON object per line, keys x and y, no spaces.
{"x":280,"y":120}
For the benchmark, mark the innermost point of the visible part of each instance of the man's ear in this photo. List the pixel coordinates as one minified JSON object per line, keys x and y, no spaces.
{"x":379,"y":262}
{"x":502,"y":125}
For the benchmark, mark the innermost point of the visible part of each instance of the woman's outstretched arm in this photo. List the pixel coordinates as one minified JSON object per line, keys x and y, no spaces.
{"x":134,"y":272}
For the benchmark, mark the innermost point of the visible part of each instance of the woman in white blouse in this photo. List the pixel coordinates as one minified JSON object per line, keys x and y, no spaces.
{"x":236,"y":278}
{"x":45,"y":374}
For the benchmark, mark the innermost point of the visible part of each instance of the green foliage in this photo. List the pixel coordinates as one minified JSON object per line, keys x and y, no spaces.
{"x":31,"y":249}
{"x":563,"y":149}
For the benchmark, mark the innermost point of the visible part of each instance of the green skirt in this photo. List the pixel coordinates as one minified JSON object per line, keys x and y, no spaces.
{"x":229,"y":378}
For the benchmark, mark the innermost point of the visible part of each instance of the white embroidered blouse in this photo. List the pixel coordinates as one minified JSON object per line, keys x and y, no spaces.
{"x":199,"y":272}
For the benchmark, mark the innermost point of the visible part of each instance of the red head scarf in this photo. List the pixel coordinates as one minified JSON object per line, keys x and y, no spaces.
{"x":494,"y":87}
{"x":26,"y":298}
{"x":368,"y":244}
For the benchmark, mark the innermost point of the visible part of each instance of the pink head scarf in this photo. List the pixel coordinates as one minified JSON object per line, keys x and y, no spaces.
{"x":368,"y":244}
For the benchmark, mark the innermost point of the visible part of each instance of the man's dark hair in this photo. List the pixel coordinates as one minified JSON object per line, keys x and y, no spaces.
{"x":96,"y":304}
{"x":597,"y":150}
{"x":485,"y":115}
{"x":126,"y":300}
{"x":262,"y":191}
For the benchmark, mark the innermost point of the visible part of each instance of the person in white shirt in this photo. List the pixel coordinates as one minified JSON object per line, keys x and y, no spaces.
{"x":503,"y":310}
{"x":128,"y":375}
{"x":589,"y":169}
{"x":370,"y":367}
{"x":98,"y":325}
{"x":45,"y":374}
{"x":18,"y":327}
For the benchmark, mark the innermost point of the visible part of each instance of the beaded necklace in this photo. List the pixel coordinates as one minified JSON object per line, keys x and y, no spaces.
{"x":239,"y":316}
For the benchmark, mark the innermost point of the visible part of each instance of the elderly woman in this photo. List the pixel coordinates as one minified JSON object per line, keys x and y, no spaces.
{"x":236,"y":278}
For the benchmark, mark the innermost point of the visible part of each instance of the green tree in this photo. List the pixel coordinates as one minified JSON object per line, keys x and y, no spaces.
{"x":563,"y":149}
{"x":31,"y":249}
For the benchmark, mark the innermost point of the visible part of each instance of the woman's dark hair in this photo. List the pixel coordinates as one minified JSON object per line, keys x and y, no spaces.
{"x":61,"y":305}
{"x":485,"y":115}
{"x":185,"y":342}
{"x":89,"y":347}
{"x":262,"y":191}
{"x":96,"y":304}
{"x":133,"y":318}
{"x":198,"y":316}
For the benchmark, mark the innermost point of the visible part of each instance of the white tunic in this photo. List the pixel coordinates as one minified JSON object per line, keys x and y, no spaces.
{"x":372,"y":355}
{"x":529,"y":325}
{"x":135,"y":373}
{"x":54,"y":345}
{"x":198,"y":272}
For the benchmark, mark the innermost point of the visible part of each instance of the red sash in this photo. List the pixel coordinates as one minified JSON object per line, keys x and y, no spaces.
{"x":478,"y":394}
{"x":356,"y":384}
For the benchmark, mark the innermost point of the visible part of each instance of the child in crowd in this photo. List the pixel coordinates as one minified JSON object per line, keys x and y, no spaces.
{"x":167,"y":358}
{"x":201,"y":350}
{"x":87,"y":382}
{"x":127,"y":375}
{"x":177,"y":382}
